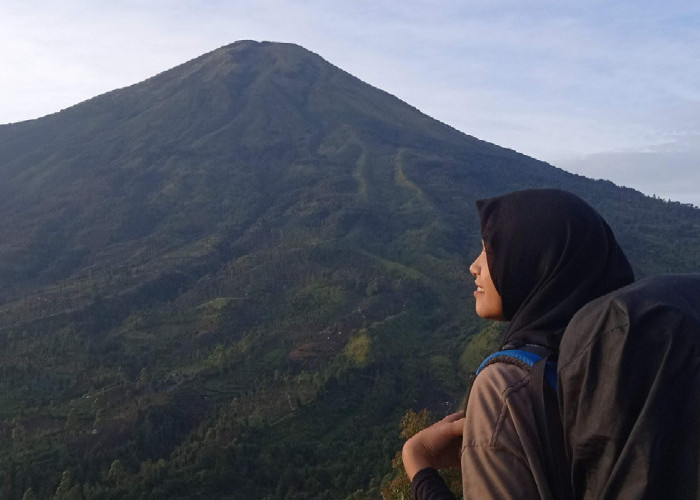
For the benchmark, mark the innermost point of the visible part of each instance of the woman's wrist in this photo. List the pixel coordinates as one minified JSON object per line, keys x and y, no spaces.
{"x":414,"y":458}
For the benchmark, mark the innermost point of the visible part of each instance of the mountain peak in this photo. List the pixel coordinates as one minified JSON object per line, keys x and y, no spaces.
{"x":246,"y":53}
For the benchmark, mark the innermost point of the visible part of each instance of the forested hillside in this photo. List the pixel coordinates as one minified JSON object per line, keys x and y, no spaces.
{"x":234,"y":279}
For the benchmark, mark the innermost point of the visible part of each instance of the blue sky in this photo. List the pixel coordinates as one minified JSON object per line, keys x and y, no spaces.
{"x":607,"y":89}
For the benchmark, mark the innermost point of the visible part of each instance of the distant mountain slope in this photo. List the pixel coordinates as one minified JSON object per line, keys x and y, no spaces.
{"x":235,"y":277}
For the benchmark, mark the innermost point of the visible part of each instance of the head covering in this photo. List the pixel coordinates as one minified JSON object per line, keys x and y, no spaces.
{"x":549,"y":253}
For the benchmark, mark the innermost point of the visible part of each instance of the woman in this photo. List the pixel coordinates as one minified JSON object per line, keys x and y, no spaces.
{"x":545,"y":254}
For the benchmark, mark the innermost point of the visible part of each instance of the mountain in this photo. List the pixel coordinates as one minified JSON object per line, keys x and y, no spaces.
{"x":233,"y":279}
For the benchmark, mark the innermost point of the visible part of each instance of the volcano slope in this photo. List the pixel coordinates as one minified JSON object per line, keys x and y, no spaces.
{"x":233,"y":279}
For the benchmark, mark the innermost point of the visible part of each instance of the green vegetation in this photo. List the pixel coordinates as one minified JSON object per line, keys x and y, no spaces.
{"x":234,"y":280}
{"x":395,"y":485}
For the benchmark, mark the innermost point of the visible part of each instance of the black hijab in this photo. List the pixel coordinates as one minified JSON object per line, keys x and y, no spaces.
{"x":549,"y":253}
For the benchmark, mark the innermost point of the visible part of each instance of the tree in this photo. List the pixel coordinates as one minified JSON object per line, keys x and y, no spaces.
{"x":29,"y":495}
{"x":66,"y":489}
{"x":117,"y":473}
{"x":395,"y":485}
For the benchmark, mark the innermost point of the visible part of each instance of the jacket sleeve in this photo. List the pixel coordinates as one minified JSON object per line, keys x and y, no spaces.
{"x":427,"y":484}
{"x":500,"y":452}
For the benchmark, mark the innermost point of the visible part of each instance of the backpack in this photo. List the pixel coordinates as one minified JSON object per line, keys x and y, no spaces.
{"x":618,"y":414}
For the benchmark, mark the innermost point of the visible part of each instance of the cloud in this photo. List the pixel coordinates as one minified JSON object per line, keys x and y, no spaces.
{"x":669,"y":171}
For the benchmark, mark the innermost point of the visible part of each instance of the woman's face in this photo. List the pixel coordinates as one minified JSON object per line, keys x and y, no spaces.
{"x":488,"y":300}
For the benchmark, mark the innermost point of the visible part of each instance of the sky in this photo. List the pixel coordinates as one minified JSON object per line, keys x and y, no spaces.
{"x":606,"y":89}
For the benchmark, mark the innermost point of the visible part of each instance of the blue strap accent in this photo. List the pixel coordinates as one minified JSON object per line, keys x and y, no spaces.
{"x":527,"y":357}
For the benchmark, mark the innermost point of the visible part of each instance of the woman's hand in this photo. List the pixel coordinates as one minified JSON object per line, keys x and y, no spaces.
{"x":437,"y":446}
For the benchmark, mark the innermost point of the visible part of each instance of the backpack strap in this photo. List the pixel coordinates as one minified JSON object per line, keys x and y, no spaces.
{"x":526,"y":359}
{"x":550,"y":430}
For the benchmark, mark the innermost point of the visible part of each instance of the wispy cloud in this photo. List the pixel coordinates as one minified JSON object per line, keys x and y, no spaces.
{"x":668,"y":172}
